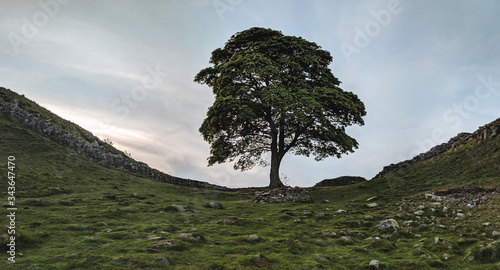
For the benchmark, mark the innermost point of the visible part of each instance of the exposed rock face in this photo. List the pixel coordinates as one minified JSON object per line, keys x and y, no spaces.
{"x":340,"y":181}
{"x":436,"y":150}
{"x":93,"y":148}
{"x":285,"y":194}
{"x":482,"y":134}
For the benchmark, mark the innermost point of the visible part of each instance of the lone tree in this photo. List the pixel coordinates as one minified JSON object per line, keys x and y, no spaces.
{"x":275,"y":93}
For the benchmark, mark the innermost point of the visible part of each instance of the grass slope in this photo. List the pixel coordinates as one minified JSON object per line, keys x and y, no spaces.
{"x":76,"y":214}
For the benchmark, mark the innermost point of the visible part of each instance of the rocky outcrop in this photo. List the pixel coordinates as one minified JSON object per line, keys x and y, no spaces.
{"x":93,"y":148}
{"x":484,"y":133}
{"x":341,"y":181}
{"x":436,"y":150}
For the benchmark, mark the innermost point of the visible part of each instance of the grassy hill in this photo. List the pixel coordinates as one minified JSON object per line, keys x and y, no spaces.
{"x":74,"y":213}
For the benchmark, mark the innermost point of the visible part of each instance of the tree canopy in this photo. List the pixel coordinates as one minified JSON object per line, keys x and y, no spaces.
{"x":275,"y":93}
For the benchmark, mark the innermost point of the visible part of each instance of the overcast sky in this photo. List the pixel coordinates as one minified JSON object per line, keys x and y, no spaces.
{"x":124,"y":70}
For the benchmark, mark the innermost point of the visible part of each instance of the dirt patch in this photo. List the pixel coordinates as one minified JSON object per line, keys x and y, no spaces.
{"x":468,"y":196}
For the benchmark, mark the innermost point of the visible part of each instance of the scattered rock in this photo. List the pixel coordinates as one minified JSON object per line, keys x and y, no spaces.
{"x":446,"y":256}
{"x":228,"y":222}
{"x":433,"y":197}
{"x":345,"y":238}
{"x":322,"y":257}
{"x":215,"y":205}
{"x":453,"y":228}
{"x":419,"y":213}
{"x":374,"y":264}
{"x":253,"y":237}
{"x":468,"y":196}
{"x":437,"y":240}
{"x":190,"y":236}
{"x":163,"y":260}
{"x":371,"y":205}
{"x":423,"y":226}
{"x":177,"y":208}
{"x":263,"y":262}
{"x":486,"y":224}
{"x":161,"y":244}
{"x":329,"y":233}
{"x":282,"y":195}
{"x":388,"y":224}
{"x":368,"y":217}
{"x":495,"y":233}
{"x":371,"y":199}
{"x":342,"y":211}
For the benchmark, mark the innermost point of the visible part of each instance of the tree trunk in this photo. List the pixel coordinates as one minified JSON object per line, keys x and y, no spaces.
{"x":275,"y":171}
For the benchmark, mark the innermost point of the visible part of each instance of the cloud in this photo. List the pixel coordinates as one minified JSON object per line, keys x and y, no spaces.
{"x":88,"y":60}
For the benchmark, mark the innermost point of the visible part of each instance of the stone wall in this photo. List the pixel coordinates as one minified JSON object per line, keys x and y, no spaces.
{"x":93,"y":148}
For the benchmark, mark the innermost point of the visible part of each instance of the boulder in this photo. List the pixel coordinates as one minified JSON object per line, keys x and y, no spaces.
{"x":374,"y":264}
{"x":215,"y":205}
{"x":388,"y":224}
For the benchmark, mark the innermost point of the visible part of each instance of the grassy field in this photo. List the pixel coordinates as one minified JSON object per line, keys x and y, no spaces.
{"x":76,"y":214}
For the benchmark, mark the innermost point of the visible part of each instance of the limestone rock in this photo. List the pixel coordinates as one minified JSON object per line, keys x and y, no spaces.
{"x":388,"y":224}
{"x":253,"y":237}
{"x":215,"y":205}
{"x":190,"y":236}
{"x":374,"y":264}
{"x":163,"y":260}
